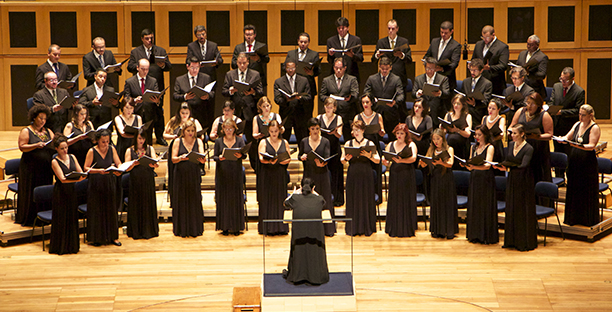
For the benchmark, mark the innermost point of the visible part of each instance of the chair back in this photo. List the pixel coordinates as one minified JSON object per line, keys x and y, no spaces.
{"x":409,"y":85}
{"x":500,"y":183}
{"x":459,"y":85}
{"x":418,"y":175}
{"x":80,"y":188}
{"x":43,"y":194}
{"x":77,"y":93}
{"x":548,"y":94}
{"x":558,"y":160}
{"x":409,"y":105}
{"x":547,"y":189}
{"x":604,"y":165}
{"x":11,"y":167}
{"x":462,"y":181}
{"x":30,"y":103}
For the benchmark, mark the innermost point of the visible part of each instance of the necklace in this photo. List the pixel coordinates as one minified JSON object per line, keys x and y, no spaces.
{"x":368,"y":117}
{"x":580,"y":137}
{"x":517,"y":148}
{"x":359,"y":142}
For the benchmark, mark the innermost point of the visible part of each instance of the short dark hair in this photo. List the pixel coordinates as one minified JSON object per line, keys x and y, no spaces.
{"x":229,"y":104}
{"x":429,"y":60}
{"x":568,"y":70}
{"x":59,"y":139}
{"x":384,"y":61}
{"x":304,"y":34}
{"x":249,"y":27}
{"x":447,"y":25}
{"x":145,"y":32}
{"x":340,"y":59}
{"x":37,"y":110}
{"x":198,"y":29}
{"x":192,"y":59}
{"x":477,"y":63}
{"x":102,"y":133}
{"x":342,"y":21}
{"x":313,"y":122}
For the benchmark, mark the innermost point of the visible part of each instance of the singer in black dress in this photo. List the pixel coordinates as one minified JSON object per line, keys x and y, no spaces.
{"x":443,"y":209}
{"x":371,"y":118}
{"x":261,"y":122}
{"x":331,"y":128}
{"x":187,"y":211}
{"x":482,"y":203}
{"x":420,"y":122}
{"x":127,"y":117}
{"x":582,"y":200}
{"x":360,"y":205}
{"x":317,"y":170}
{"x":142,"y":218}
{"x":103,"y":198}
{"x":307,"y":258}
{"x":520,"y":228}
{"x":35,"y":166}
{"x":79,"y":143}
{"x":401,"y":203}
{"x":458,"y":136}
{"x":496,"y":124}
{"x":65,"y":222}
{"x":229,"y":182}
{"x":274,"y":190}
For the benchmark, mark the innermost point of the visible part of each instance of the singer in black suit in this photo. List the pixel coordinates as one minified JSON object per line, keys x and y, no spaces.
{"x":451,"y":50}
{"x":436,"y":100}
{"x":293,"y":110}
{"x":517,"y":75}
{"x":353,"y":57}
{"x":477,"y":108}
{"x":52,"y":64}
{"x":133,"y":89}
{"x":98,"y":114}
{"x":495,"y":60}
{"x":202,"y":108}
{"x":91,"y":61}
{"x":399,"y":59}
{"x":304,"y":54}
{"x":536,"y":73}
{"x":204,"y":50}
{"x":349,"y":90}
{"x":148,"y":50}
{"x":392,"y":88}
{"x":258,"y":60}
{"x":59,"y":115}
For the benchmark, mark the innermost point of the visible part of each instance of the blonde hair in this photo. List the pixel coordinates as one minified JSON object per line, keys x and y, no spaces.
{"x":589,"y":110}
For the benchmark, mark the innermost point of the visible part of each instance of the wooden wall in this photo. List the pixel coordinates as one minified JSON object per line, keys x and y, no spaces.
{"x":584,"y":41}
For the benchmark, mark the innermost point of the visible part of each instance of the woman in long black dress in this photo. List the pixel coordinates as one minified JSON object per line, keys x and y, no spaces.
{"x":459,"y":134}
{"x":496,"y":124}
{"x":307,"y":258}
{"x":103,"y":199}
{"x":228,"y":182}
{"x":482,"y":203}
{"x":142,"y":220}
{"x":581,"y":200}
{"x":360,"y":205}
{"x":35,"y":166}
{"x":187,"y":211}
{"x":520,"y":228}
{"x":79,"y":143}
{"x":315,"y":169}
{"x":443,"y":209}
{"x":260,"y":129}
{"x":371,"y":119}
{"x":420,"y":122}
{"x":401,"y":203}
{"x":331,"y":128}
{"x":65,"y":222}
{"x":274,"y":191}
{"x":127,"y":117}
{"x":533,"y":118}
{"x":228,"y":110}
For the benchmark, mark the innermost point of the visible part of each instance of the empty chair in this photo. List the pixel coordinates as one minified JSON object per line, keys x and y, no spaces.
{"x":459,"y":85}
{"x":42,"y":197}
{"x":500,"y":188}
{"x":462,"y":183}
{"x":551,"y":191}
{"x":558,"y":161}
{"x":377,"y":201}
{"x":30,"y":103}
{"x":420,"y":197}
{"x":548,"y":94}
{"x":605,"y":167}
{"x":11,"y":170}
{"x":77,"y":93}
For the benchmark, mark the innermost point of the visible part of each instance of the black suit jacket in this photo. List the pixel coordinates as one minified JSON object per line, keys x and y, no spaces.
{"x":89,"y":94}
{"x":526,"y":90}
{"x":154,"y":70}
{"x":259,"y":66}
{"x":479,"y":109}
{"x":421,"y":80}
{"x":62,"y":74}
{"x":246,"y":105}
{"x":212,"y":53}
{"x":536,"y":74}
{"x":497,"y":56}
{"x":349,"y":86}
{"x":452,"y":52}
{"x":311,"y":57}
{"x":573,"y":99}
{"x":398,"y":66}
{"x":375,"y":87}
{"x":352,"y":64}
{"x":132,"y":89}
{"x":301,"y":106}
{"x":91,"y":64}
{"x":182,"y":85}
{"x":57,"y":120}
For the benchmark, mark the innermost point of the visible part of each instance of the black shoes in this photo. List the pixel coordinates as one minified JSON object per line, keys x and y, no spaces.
{"x":116,"y":243}
{"x":162,"y":142}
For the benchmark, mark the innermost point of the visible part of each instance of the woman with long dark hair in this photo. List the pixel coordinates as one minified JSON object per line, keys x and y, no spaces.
{"x":79,"y":143}
{"x":331,"y":128}
{"x":420,"y":122}
{"x":127,"y":117}
{"x":459,"y":134}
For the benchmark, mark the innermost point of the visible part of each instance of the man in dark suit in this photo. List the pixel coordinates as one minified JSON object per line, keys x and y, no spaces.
{"x":257,"y":53}
{"x":517,"y":74}
{"x":293,"y":109}
{"x":536,"y":72}
{"x":345,"y":86}
{"x":135,"y":87}
{"x":399,"y":58}
{"x":434,"y":100}
{"x":304,"y":54}
{"x":446,"y":48}
{"x":494,"y":54}
{"x":98,"y":113}
{"x":200,"y":106}
{"x":159,"y":63}
{"x":96,"y":59}
{"x":387,"y":85}
{"x":204,"y":50}
{"x":53,"y":64}
{"x":571,"y":96}
{"x":477,"y":82}
{"x":50,"y":95}
{"x":342,"y":41}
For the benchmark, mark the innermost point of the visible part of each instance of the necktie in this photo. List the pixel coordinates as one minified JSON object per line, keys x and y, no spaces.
{"x":301,"y":56}
{"x":291,"y":84}
{"x":516,"y":89}
{"x":203,"y":50}
{"x":249,"y":48}
{"x":241,"y":76}
{"x":338,"y":83}
{"x":148,"y":53}
{"x":193,"y":82}
{"x":440,"y":49}
{"x":392,"y":44}
{"x":485,"y":50}
{"x":384,"y":80}
{"x":142,"y":85}
{"x":564,"y":91}
{"x":55,"y":68}
{"x":342,"y":43}
{"x":101,"y":60}
{"x":473,"y":84}
{"x":55,"y":96}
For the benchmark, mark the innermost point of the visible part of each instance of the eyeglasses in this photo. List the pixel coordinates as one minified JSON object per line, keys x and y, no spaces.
{"x":52,"y":80}
{"x":563,"y":80}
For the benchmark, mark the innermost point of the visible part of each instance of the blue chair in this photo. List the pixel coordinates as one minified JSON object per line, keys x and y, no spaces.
{"x":341,"y":140}
{"x":409,"y":85}
{"x":409,"y":105}
{"x":420,"y":197}
{"x":77,"y":93}
{"x":551,"y":191}
{"x":376,"y":200}
{"x":80,"y":188}
{"x":385,"y":138}
{"x":30,"y":103}
{"x":605,"y":167}
{"x":384,"y":170}
{"x":11,"y":170}
{"x":548,"y":94}
{"x":500,"y":187}
{"x":462,"y":182}
{"x":293,"y":139}
{"x":246,"y":214}
{"x":558,"y":161}
{"x":459,"y":85}
{"x":42,"y":195}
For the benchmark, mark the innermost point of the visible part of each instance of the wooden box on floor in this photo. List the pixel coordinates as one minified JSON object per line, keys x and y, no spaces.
{"x":246,"y":299}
